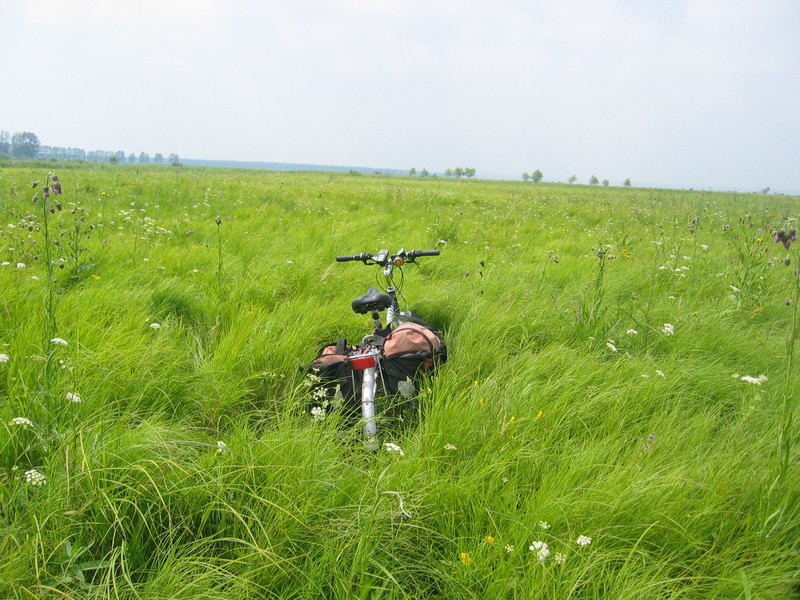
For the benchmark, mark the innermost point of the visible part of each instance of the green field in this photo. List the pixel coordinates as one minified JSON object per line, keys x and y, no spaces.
{"x":620,"y":370}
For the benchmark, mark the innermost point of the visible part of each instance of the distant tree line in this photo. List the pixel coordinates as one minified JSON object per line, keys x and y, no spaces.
{"x":423,"y":173}
{"x":457,"y":172}
{"x":537,"y":176}
{"x":460,"y":172}
{"x":25,"y":144}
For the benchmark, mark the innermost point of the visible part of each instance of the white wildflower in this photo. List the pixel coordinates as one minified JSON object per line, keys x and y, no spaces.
{"x":560,"y":558}
{"x":318,"y":413}
{"x":4,"y":358}
{"x":667,"y":329}
{"x":35,"y":478}
{"x":660,"y":373}
{"x":450,"y":447}
{"x":735,"y":289}
{"x":509,"y":548}
{"x":541,"y":549}
{"x":611,"y":346}
{"x":20,"y":265}
{"x":222,"y":447}
{"x":645,"y":376}
{"x":155,"y":325}
{"x":73,"y":397}
{"x":23,"y":422}
{"x":755,"y":380}
{"x":544,"y":524}
{"x":390,"y":447}
{"x":632,"y":332}
{"x":59,"y":342}
{"x":583,"y":540}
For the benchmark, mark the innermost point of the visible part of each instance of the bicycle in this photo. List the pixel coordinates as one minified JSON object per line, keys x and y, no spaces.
{"x":369,"y":358}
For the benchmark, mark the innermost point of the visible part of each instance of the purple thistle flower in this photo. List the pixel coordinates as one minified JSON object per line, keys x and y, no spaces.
{"x":46,"y":192}
{"x":786,"y":237}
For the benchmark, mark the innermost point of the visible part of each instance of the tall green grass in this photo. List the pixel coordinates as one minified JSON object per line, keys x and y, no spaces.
{"x":568,"y":408}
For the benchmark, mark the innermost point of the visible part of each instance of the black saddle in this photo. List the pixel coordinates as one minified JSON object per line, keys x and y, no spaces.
{"x":374,"y":300}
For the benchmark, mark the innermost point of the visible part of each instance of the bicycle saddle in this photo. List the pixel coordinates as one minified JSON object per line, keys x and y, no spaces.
{"x":373,"y":300}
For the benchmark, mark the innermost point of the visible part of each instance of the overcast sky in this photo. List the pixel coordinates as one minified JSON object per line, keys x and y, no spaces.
{"x":683,"y":93}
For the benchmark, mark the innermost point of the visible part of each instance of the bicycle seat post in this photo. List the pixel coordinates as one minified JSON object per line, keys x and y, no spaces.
{"x":376,"y":320}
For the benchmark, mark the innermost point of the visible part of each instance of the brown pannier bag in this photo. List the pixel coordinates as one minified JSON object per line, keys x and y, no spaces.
{"x":412,"y":337}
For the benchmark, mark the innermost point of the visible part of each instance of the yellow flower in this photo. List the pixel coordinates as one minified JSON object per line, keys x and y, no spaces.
{"x":512,"y":419}
{"x":465,"y":559}
{"x":95,"y":276}
{"x":539,"y":415}
{"x":489,"y":539}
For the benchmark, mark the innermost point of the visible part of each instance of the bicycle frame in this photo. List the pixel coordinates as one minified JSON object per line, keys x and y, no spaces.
{"x":369,"y":381}
{"x":370,"y":361}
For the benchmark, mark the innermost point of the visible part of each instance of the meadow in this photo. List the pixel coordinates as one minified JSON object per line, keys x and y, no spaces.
{"x":615,"y":419}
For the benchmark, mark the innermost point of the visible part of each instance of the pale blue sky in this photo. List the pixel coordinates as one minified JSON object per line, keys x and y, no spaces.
{"x":692,"y":93}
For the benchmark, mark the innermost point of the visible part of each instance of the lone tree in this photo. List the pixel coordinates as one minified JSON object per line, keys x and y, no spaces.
{"x":627,"y":182}
{"x":536,"y":176}
{"x":593,"y":180}
{"x":572,"y":179}
{"x":24,"y":145}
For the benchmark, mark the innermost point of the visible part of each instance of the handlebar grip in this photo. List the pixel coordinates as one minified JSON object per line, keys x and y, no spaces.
{"x":415,"y":253}
{"x":344,"y":258}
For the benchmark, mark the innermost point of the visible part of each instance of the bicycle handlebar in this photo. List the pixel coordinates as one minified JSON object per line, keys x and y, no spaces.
{"x":416,"y":253}
{"x":383,"y":256}
{"x":363,"y":257}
